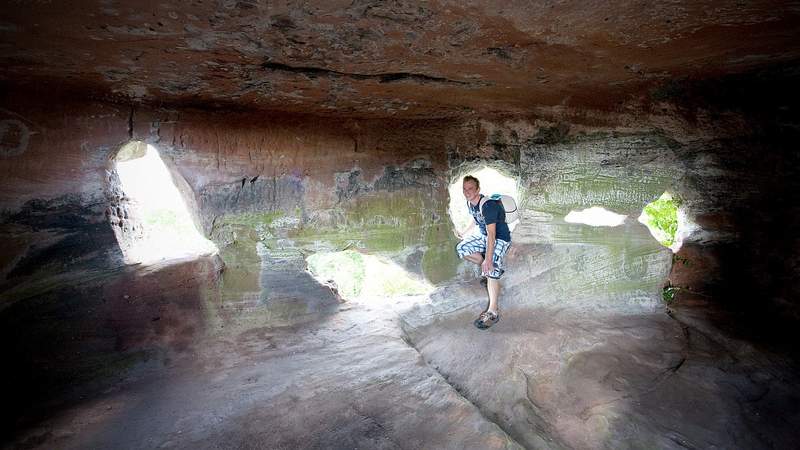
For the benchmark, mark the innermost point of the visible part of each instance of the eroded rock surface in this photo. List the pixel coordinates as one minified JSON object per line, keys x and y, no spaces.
{"x":559,"y":372}
{"x":246,"y":348}
{"x":391,"y":59}
{"x":347,"y":382}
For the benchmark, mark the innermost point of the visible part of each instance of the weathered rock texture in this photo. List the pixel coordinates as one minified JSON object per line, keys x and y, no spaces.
{"x":388,"y":59}
{"x":281,"y":126}
{"x":589,"y":358}
{"x":267,"y":190}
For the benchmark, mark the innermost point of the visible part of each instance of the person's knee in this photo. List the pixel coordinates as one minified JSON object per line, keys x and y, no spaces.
{"x":477,"y":258}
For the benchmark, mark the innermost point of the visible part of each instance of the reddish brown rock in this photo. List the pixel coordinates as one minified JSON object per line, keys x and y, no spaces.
{"x":292,"y":129}
{"x":390,"y":59}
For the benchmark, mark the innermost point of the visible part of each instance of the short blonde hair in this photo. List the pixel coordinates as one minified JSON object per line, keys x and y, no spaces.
{"x":473,"y":179}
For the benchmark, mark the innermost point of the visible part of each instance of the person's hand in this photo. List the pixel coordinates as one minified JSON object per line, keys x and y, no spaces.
{"x":486,"y":267}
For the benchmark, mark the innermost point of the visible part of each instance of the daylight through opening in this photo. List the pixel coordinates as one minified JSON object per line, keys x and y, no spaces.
{"x":661,"y":218}
{"x":596,"y":217}
{"x":359,"y":276}
{"x":162,"y":227}
{"x":492,"y":182}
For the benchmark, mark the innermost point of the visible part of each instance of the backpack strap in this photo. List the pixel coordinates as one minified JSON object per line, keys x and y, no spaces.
{"x":480,"y":205}
{"x":483,"y":201}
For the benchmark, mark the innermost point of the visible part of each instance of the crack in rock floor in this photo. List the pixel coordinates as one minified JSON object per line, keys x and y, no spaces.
{"x":413,"y":373}
{"x":559,"y":378}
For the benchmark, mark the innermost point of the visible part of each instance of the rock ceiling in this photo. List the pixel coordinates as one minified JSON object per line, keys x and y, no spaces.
{"x":387,"y":58}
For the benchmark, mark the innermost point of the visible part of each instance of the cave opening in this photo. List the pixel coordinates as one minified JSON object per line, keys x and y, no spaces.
{"x":359,"y":276}
{"x":661,"y":218}
{"x":595,"y":216}
{"x":152,"y":218}
{"x":493,"y":181}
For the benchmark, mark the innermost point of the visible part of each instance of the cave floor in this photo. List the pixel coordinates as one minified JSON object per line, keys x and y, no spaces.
{"x":346,"y":381}
{"x":364,"y":377}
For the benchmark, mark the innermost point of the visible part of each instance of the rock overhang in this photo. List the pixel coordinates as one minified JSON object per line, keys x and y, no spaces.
{"x":400,"y":59}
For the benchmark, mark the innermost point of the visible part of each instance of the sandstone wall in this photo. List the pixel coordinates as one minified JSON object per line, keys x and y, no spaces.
{"x":271,"y":189}
{"x":588,"y":352}
{"x":266,"y":189}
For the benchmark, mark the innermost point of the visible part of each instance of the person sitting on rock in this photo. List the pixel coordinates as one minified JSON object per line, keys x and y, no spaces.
{"x":488,"y":248}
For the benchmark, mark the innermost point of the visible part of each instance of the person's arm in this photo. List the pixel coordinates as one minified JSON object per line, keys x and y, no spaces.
{"x":488,"y":260}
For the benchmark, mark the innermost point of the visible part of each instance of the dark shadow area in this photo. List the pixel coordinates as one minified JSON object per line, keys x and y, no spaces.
{"x":86,"y":335}
{"x":767,"y":96}
{"x":751,"y":274}
{"x":45,"y":239}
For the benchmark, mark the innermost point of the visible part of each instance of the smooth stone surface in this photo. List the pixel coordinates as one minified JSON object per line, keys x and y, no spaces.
{"x":350,"y":381}
{"x":564,"y":378}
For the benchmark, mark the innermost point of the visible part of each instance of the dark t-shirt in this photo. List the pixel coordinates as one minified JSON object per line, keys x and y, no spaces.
{"x":493,"y":212}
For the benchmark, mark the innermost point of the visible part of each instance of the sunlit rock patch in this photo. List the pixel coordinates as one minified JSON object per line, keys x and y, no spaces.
{"x":362,"y":276}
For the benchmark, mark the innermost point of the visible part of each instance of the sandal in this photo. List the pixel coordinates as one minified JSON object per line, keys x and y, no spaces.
{"x":486,"y":319}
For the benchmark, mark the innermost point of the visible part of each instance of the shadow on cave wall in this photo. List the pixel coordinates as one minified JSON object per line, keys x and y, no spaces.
{"x":74,"y":318}
{"x":750,"y":276}
{"x":746,"y":193}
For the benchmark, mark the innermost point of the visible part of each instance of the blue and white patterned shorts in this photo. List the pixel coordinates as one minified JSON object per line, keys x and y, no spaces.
{"x":476,"y":243}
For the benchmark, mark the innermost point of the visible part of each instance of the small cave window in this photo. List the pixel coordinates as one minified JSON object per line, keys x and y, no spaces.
{"x":492,"y":182}
{"x":596,"y":217}
{"x":360,"y":276}
{"x":153,"y":220}
{"x":661,"y":218}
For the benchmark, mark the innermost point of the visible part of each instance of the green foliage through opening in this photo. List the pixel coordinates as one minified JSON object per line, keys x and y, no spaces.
{"x":661,"y":217}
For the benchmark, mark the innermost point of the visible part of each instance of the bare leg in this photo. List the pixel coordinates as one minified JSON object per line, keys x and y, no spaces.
{"x":493,"y":287}
{"x":476,"y":258}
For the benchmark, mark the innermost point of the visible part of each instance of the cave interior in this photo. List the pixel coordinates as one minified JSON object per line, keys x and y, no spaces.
{"x":318,"y":149}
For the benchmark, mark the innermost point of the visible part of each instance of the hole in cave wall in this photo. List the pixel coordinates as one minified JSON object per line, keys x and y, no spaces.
{"x":595,"y":216}
{"x":361,"y":276}
{"x":149,"y":215}
{"x":493,"y":181}
{"x":666,"y":222}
